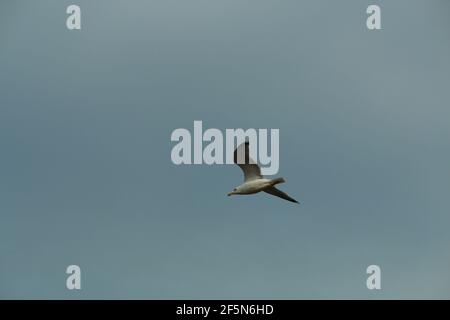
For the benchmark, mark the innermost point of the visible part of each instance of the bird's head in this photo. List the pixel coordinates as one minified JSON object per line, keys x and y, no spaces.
{"x":235,"y":191}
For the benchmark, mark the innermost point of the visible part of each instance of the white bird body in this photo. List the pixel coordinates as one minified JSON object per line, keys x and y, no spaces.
{"x":254,"y":182}
{"x":253,"y":186}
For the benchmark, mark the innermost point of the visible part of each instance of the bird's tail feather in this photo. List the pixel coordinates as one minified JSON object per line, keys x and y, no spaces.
{"x":277,"y":181}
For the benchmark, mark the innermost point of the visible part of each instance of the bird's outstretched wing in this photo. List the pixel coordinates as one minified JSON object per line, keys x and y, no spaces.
{"x":278,"y":193}
{"x":248,"y":165}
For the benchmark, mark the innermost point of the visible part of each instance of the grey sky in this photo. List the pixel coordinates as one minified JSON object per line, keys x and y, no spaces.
{"x":85,"y":170}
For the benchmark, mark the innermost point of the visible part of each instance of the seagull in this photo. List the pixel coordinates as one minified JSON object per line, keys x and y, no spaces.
{"x":254,"y":182}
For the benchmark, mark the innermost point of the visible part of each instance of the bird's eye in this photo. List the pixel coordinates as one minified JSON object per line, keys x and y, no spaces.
{"x":234,"y":189}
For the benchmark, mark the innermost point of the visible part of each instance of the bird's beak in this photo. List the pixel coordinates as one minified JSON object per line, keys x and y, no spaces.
{"x":229,"y":194}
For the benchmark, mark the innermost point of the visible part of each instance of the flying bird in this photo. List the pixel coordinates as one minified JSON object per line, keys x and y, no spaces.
{"x":254,"y":182}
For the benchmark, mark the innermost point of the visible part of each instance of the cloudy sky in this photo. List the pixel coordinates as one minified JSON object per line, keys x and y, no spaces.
{"x":86,"y":176}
